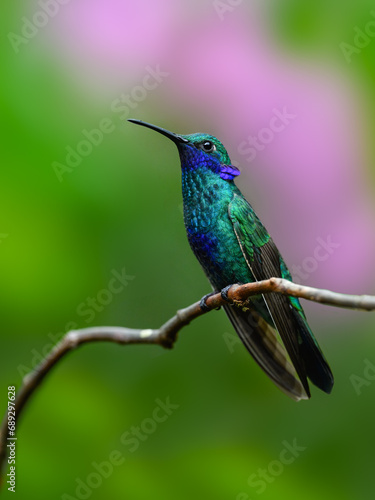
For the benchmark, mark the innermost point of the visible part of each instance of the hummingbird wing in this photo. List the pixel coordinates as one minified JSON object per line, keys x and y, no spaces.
{"x":260,"y":339}
{"x":264,"y":262}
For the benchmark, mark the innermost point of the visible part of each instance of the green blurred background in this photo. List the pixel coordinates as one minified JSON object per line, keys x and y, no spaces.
{"x":61,"y":239}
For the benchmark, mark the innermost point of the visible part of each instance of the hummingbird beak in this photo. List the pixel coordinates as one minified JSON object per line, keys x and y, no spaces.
{"x":177,"y":139}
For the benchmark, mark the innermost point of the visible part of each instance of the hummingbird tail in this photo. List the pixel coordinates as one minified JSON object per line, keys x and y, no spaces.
{"x":261,"y":341}
{"x":316,"y":366}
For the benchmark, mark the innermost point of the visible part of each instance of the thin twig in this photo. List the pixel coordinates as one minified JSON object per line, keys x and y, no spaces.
{"x":166,"y":335}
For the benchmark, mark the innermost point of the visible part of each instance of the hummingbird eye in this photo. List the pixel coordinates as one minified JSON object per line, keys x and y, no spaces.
{"x":208,"y":146}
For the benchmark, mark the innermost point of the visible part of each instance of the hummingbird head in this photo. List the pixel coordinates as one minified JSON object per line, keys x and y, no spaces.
{"x":199,"y":151}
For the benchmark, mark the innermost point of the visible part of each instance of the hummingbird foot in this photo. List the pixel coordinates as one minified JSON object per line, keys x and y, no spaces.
{"x":203,"y":304}
{"x":224,"y":293}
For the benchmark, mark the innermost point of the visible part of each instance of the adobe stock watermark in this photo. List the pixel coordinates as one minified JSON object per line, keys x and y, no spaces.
{"x":263,"y":477}
{"x":324,"y":249}
{"x":131,"y":439}
{"x":136,"y":435}
{"x":87,"y":309}
{"x":255,"y":144}
{"x":92,"y":305}
{"x":222,"y":7}
{"x":362,"y":38}
{"x":121,"y":106}
{"x":30,"y":27}
{"x":360,"y":381}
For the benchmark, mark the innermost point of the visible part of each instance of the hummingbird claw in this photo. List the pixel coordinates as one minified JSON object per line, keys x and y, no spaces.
{"x":224,"y":293}
{"x":202,"y":303}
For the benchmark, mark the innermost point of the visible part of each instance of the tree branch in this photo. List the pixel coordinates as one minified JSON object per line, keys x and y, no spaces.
{"x":166,"y":335}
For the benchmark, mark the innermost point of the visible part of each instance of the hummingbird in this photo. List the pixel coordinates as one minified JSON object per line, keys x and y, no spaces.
{"x":232,"y":246}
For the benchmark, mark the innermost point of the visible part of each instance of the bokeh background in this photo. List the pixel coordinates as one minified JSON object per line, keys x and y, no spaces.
{"x":223,"y":68}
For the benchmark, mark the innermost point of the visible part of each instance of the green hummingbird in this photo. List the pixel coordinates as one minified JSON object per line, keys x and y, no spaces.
{"x":233,"y":246}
